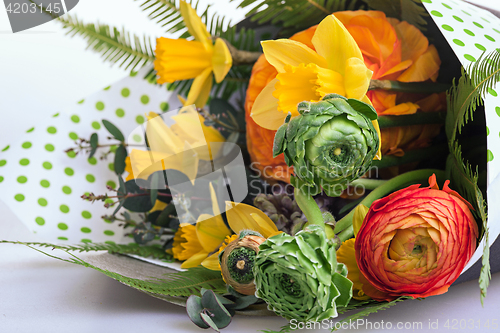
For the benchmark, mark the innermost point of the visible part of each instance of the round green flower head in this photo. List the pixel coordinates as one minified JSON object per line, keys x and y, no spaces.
{"x":299,"y":277}
{"x":329,"y":144}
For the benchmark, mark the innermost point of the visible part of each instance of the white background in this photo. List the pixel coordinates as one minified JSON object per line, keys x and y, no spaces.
{"x":41,"y":71}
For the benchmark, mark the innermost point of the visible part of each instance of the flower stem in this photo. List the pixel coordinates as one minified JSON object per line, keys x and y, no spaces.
{"x":409,"y":87}
{"x":394,"y":184}
{"x":241,"y":57}
{"x":368,"y":184}
{"x":309,"y":207}
{"x":421,"y":118}
{"x":412,"y":156}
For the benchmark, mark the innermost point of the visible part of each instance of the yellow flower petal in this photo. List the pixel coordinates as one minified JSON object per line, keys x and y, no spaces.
{"x":359,"y":215}
{"x":161,"y":138}
{"x":221,"y":60}
{"x":195,"y":260}
{"x":265,"y":109}
{"x":347,"y":255}
{"x":159,"y":205}
{"x":194,"y":25}
{"x":212,"y":262}
{"x":211,"y":231}
{"x":357,"y":78}
{"x":282,"y":52}
{"x":213,"y":199}
{"x":333,"y":42}
{"x":242,"y":217}
{"x":378,"y":156}
{"x":180,"y":59}
{"x":200,"y":89}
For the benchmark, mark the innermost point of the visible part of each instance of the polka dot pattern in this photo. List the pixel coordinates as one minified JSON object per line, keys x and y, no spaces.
{"x":36,"y":172}
{"x":471,"y":31}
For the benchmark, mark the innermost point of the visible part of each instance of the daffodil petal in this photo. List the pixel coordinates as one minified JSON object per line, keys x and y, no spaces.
{"x":180,"y":59}
{"x":357,"y":78}
{"x":159,"y":205}
{"x":200,"y":89}
{"x":239,"y":217}
{"x":359,"y":215}
{"x":282,"y":52}
{"x":195,"y":260}
{"x":378,"y":156}
{"x":161,"y":138}
{"x":265,"y":108}
{"x":334,"y":43}
{"x":212,"y":262}
{"x":213,"y":199}
{"x":211,"y":231}
{"x":266,"y":225}
{"x":221,"y":60}
{"x":194,"y":25}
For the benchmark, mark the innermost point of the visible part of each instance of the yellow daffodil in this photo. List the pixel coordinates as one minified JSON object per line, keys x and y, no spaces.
{"x":212,"y":233}
{"x":336,"y":66}
{"x":201,"y":58}
{"x":178,"y":147}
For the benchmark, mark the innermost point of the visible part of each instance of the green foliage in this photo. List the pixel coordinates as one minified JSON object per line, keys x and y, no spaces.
{"x":293,"y":15}
{"x":485,"y":275}
{"x":463,"y":99}
{"x":120,"y":156}
{"x":371,"y":309}
{"x":410,"y":11}
{"x":143,"y":251}
{"x":94,"y":143}
{"x":116,"y":46}
{"x":113,"y":130}
{"x":181,"y":284}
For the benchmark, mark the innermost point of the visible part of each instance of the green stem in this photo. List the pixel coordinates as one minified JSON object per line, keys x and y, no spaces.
{"x":368,"y":184}
{"x":412,"y":156}
{"x":346,"y":234}
{"x":309,"y":207}
{"x":409,"y":87}
{"x":394,"y":184}
{"x":421,"y":118}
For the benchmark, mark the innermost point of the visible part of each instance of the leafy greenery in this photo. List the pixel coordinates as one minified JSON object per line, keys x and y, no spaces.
{"x":143,"y":251}
{"x":371,"y":309}
{"x":179,"y":284}
{"x":116,"y":46}
{"x":463,"y":99}
{"x":410,"y":11}
{"x":293,"y":15}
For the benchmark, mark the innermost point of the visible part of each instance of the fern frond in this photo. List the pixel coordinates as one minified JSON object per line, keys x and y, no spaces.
{"x":369,"y":310}
{"x":143,"y":251}
{"x":485,"y":274}
{"x":466,"y":95}
{"x":179,"y":284}
{"x":410,"y":11}
{"x":116,"y":46}
{"x":294,"y":15}
{"x":167,"y":13}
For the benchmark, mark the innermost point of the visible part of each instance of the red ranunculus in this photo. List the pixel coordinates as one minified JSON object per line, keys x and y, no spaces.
{"x":415,"y":242}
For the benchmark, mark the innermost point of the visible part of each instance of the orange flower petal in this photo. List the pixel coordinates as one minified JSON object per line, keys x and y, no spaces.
{"x":424,"y":68}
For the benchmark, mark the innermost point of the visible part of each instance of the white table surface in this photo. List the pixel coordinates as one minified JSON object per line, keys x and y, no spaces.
{"x":41,"y":70}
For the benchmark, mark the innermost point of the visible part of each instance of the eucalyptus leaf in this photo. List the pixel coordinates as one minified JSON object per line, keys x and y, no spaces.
{"x":154,"y":189}
{"x":94,"y":142}
{"x":120,"y":156}
{"x":113,"y":130}
{"x":164,"y":218}
{"x":193,"y":309}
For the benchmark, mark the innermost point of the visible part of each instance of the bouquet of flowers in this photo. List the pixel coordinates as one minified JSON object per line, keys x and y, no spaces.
{"x":316,"y":158}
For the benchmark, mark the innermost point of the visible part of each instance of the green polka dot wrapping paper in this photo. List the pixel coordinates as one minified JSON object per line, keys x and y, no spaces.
{"x":43,"y":185}
{"x":470,"y":31}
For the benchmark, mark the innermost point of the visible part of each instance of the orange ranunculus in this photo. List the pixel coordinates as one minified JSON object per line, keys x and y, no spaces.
{"x":415,"y":242}
{"x":396,"y":50}
{"x":260,"y":140}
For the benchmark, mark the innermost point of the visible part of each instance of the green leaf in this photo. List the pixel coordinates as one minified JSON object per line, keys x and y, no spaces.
{"x":193,"y":309}
{"x":116,"y":46}
{"x":164,"y":218}
{"x":208,"y":320}
{"x":411,"y":11}
{"x":138,"y":199}
{"x":367,"y":110}
{"x":219,"y":314}
{"x":94,"y":143}
{"x":113,"y":130}
{"x":120,"y":156}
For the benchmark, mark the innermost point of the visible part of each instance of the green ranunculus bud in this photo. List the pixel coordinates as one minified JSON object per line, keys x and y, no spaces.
{"x":299,"y":277}
{"x":330,"y":143}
